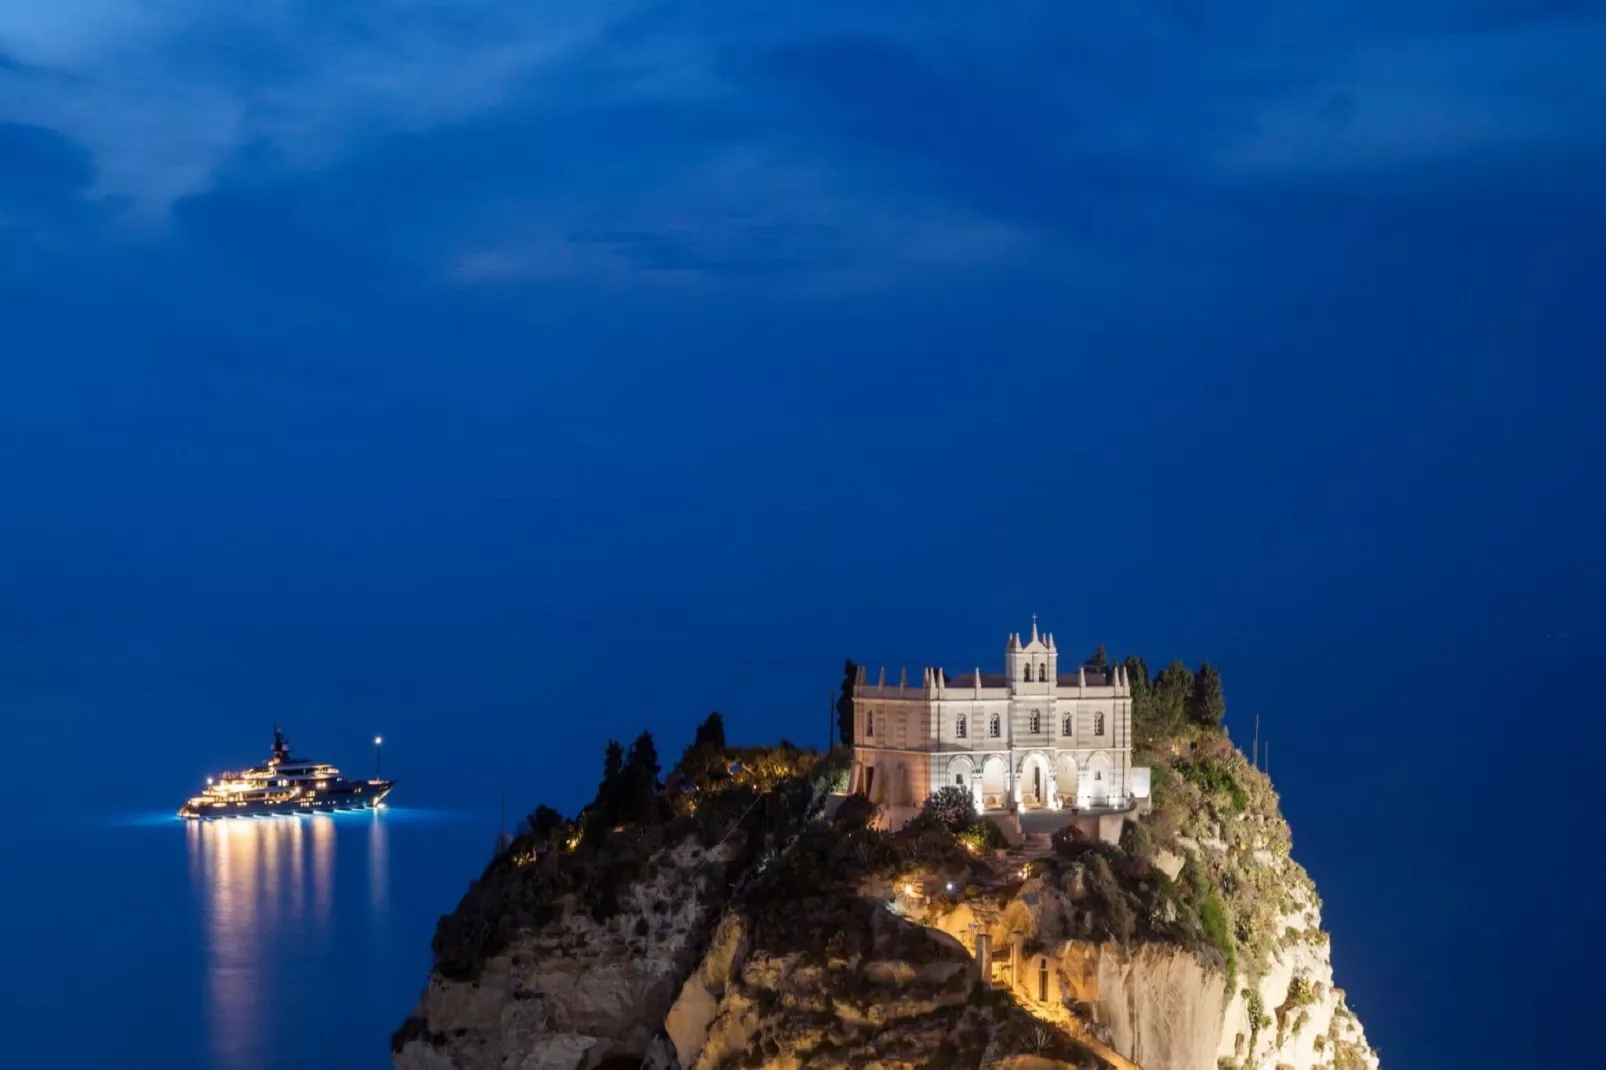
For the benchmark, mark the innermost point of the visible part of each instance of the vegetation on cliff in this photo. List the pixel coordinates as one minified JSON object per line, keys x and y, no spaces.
{"x":743,"y":800}
{"x":839,"y":971}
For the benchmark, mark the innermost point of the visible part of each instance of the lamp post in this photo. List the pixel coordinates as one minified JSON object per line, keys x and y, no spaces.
{"x":378,"y":742}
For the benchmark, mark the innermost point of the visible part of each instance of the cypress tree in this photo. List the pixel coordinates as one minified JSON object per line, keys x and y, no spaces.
{"x":613,"y":760}
{"x":1172,"y":689}
{"x":543,"y":821}
{"x":1100,"y":661}
{"x":1206,"y":704}
{"x":844,"y":702}
{"x":1137,"y":675}
{"x":711,"y":733}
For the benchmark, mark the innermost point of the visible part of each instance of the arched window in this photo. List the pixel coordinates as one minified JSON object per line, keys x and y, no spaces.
{"x":1042,"y":674}
{"x":992,"y":726}
{"x":1026,"y":672}
{"x":869,"y":726}
{"x":959,"y":727}
{"x":1035,"y":725}
{"x":1098,"y":724}
{"x":1066,"y":728}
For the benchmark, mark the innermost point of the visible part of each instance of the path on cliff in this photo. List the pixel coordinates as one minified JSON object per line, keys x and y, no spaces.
{"x":1035,"y":847}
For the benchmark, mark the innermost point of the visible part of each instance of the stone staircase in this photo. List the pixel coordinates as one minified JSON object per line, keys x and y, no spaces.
{"x":1036,"y":845}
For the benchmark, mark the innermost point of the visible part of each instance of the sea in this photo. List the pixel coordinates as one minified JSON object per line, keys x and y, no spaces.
{"x":140,"y":940}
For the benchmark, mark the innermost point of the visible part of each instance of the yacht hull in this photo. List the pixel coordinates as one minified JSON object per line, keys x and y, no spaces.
{"x":365,"y":795}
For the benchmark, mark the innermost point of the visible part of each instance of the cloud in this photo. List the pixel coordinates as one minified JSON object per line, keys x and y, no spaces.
{"x":493,"y":144}
{"x":1536,"y":86}
{"x":165,"y":94}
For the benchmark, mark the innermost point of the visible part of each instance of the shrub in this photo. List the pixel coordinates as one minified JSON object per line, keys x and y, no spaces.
{"x":1138,"y":841}
{"x":857,"y":812}
{"x":1214,"y":778}
{"x":1213,"y":918}
{"x":983,"y":835}
{"x":953,"y":806}
{"x":1070,"y":842}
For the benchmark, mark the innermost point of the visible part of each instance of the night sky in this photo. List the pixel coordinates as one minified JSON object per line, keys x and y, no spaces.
{"x":506,"y":376}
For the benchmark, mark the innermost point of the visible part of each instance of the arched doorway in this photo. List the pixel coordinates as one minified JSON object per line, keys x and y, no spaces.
{"x":994,"y":777}
{"x":961,"y":774}
{"x":1036,"y":782}
{"x":1100,"y":779}
{"x":1065,"y":779}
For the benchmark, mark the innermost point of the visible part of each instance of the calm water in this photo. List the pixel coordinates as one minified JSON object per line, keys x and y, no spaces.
{"x":234,"y":945}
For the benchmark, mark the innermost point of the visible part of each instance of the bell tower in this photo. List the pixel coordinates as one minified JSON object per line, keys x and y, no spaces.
{"x":1033,"y":666}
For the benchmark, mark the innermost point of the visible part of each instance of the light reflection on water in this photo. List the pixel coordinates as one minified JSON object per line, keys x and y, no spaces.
{"x":254,"y":880}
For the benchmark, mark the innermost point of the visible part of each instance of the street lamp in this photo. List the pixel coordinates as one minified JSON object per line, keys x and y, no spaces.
{"x":378,"y":742}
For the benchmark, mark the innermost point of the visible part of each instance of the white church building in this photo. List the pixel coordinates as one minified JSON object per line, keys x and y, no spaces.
{"x":1031,"y":737}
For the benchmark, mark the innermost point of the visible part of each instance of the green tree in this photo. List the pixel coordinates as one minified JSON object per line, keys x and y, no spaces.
{"x":636,"y":794}
{"x":704,"y":759}
{"x":844,"y":702}
{"x":1167,"y":706}
{"x":1206,"y":703}
{"x":613,"y":760}
{"x":1100,"y":660}
{"x":951,"y":806}
{"x":711,"y":733}
{"x":543,"y":822}
{"x":1137,"y":674}
{"x":603,"y":813}
{"x":644,"y":755}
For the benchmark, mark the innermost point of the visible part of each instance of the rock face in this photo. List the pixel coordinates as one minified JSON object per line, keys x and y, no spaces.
{"x":1096,"y":957}
{"x":898,"y":1004}
{"x":575,"y":994}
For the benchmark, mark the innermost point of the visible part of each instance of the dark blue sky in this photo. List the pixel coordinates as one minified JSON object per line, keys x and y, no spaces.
{"x":505,"y":376}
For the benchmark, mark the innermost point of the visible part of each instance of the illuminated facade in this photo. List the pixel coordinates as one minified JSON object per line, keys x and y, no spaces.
{"x":1028,"y":738}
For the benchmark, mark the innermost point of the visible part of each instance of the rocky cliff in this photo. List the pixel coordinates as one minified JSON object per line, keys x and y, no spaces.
{"x":745,"y":925}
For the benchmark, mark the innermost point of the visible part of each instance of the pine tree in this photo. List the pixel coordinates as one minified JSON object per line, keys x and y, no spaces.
{"x":1100,"y":661}
{"x":1206,"y":703}
{"x":844,"y":703}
